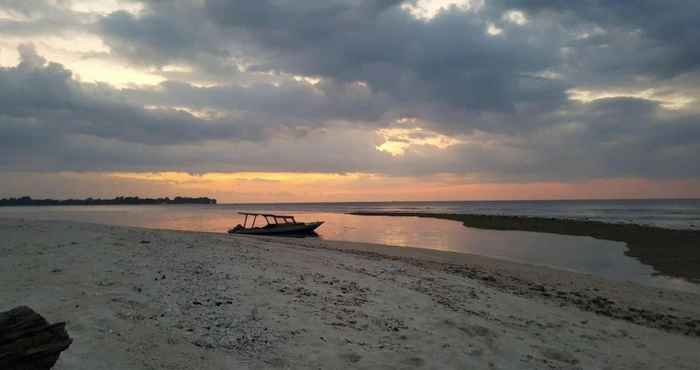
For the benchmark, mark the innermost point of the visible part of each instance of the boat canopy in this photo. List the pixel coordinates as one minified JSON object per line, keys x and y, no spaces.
{"x":269,"y":218}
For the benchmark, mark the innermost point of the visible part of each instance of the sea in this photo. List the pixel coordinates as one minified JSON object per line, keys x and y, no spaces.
{"x":601,"y":258}
{"x":668,"y":213}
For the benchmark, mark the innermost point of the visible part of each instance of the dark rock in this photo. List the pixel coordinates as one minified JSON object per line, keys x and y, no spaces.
{"x":28,"y":341}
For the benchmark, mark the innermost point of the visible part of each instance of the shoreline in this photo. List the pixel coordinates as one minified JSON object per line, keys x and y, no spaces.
{"x":138,"y":298}
{"x":671,"y":252}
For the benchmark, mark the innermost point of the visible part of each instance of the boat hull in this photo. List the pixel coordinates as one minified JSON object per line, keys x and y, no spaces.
{"x":300,"y":228}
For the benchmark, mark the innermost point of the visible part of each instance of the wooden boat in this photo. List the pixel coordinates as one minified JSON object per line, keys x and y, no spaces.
{"x":275,"y":225}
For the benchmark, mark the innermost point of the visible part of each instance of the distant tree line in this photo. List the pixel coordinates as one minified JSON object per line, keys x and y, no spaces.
{"x":28,"y":201}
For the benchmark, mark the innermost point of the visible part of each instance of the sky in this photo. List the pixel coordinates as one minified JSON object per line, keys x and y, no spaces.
{"x":350,"y":100}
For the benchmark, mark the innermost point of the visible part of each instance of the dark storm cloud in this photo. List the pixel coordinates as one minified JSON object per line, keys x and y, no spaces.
{"x":615,"y":137}
{"x":623,"y":136}
{"x":39,"y":17}
{"x":376,"y":63}
{"x":166,"y":33}
{"x":449,"y":61}
{"x":287,"y":101}
{"x":49,"y":121}
{"x":86,"y":127}
{"x":447,"y":69}
{"x":42,"y":99}
{"x":650,"y":37}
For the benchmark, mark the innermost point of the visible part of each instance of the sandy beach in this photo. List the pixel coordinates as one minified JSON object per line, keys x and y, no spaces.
{"x":151,"y":299}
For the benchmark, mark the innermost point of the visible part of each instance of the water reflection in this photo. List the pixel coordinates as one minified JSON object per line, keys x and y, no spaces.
{"x":583,"y":254}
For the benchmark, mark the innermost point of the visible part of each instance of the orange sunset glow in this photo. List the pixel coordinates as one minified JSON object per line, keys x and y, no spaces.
{"x":252,"y":187}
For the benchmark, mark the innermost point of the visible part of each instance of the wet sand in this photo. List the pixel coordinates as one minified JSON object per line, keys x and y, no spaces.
{"x":671,"y":252}
{"x":151,"y":299}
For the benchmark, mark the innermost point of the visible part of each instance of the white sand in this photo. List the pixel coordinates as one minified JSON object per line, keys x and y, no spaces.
{"x":188,"y":300}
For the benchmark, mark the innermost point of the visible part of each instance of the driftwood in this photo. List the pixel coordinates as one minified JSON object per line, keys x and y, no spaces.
{"x":28,"y":341}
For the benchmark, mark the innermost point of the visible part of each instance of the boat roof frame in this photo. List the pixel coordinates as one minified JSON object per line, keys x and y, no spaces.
{"x":264,"y":214}
{"x":267,"y":217}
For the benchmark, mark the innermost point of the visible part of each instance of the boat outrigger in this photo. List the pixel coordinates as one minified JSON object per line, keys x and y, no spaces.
{"x":275,"y":225}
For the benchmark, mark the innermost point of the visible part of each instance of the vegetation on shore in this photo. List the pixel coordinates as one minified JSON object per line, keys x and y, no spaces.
{"x":28,"y":201}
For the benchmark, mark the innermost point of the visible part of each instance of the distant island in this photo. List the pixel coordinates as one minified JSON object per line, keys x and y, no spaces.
{"x":28,"y":201}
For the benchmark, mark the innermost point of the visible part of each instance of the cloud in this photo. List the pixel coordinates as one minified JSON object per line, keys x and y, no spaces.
{"x":37,"y":17}
{"x":447,"y":69}
{"x":311,"y":87}
{"x":450,"y":62}
{"x":48,"y":99}
{"x":651,"y":38}
{"x":50,"y":121}
{"x":287,"y":101}
{"x":172,"y":33}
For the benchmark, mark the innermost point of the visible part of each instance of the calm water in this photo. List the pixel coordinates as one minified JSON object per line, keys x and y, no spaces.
{"x":670,"y":213}
{"x":583,"y":254}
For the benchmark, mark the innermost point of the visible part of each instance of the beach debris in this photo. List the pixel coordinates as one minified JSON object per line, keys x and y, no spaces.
{"x":28,"y":341}
{"x":145,"y":242}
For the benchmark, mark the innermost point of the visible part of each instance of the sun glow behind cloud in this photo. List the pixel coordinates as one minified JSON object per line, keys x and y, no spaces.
{"x":668,"y":101}
{"x":516,"y":17}
{"x":493,"y":30}
{"x":427,"y":9}
{"x":85,"y":55}
{"x":307,"y":79}
{"x":397,"y":140}
{"x":93,"y":70}
{"x":106,"y":6}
